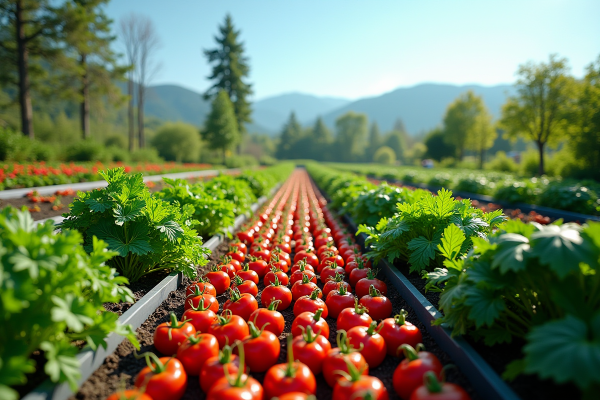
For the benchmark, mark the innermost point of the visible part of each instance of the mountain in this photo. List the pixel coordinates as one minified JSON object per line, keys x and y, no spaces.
{"x":174,"y":103}
{"x":420,"y":107}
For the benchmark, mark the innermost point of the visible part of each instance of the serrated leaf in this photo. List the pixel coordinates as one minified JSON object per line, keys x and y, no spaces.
{"x":485,"y":305}
{"x":71,"y":311}
{"x":129,"y":212}
{"x":422,"y":252}
{"x":99,"y":205}
{"x":451,"y":242}
{"x":62,"y":363}
{"x":511,"y":252}
{"x":115,"y":237}
{"x":170,"y":230}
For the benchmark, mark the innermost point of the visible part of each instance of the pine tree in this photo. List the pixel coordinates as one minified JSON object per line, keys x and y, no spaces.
{"x":322,"y":138}
{"x":292,"y":132}
{"x":229,"y":70}
{"x":351,"y":136}
{"x":221,"y":130}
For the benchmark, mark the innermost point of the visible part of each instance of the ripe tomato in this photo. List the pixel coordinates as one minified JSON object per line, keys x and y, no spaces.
{"x":379,"y":306}
{"x":299,"y":272}
{"x":236,"y":254}
{"x":330,"y":271}
{"x":303,"y":288}
{"x":289,"y":377}
{"x":285,"y":247}
{"x":229,"y":269}
{"x":219,"y":279}
{"x":408,"y":375}
{"x":276,"y":262}
{"x":276,"y":292}
{"x":331,"y":258}
{"x":281,"y":275}
{"x":314,"y":320}
{"x":322,"y":240}
{"x":433,"y":389}
{"x":296,"y":396}
{"x":261,"y":348}
{"x":311,"y":349}
{"x":259,"y":266}
{"x":262,"y":254}
{"x":353,"y":316}
{"x":269,"y":319}
{"x":240,"y":304}
{"x":300,"y":264}
{"x":245,"y":286}
{"x":169,"y":335}
{"x":194,"y":300}
{"x":162,"y":378}
{"x":398,"y":331}
{"x":246,"y":237}
{"x":330,"y":247}
{"x":196,"y":349}
{"x":310,"y":303}
{"x":358,"y":273}
{"x":358,"y":387}
{"x":213,"y":368}
{"x":241,"y":387}
{"x":200,"y":317}
{"x":362,"y":286}
{"x":248,"y":275}
{"x":334,"y":284}
{"x":338,"y":300}
{"x":370,"y":343}
{"x":241,"y":247}
{"x":339,"y":358}
{"x":310,"y":257}
{"x":129,"y":395}
{"x":228,"y":328}
{"x":203,"y":286}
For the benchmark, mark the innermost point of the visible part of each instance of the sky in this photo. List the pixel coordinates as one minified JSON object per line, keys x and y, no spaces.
{"x":360,"y":48}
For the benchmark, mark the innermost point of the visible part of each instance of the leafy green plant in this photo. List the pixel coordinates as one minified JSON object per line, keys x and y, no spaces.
{"x":237,"y":191}
{"x":148,"y":234}
{"x":575,"y":197}
{"x":52,"y":294}
{"x":415,"y":231}
{"x":533,"y":282}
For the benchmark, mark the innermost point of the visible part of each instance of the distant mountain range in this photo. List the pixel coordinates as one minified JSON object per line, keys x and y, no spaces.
{"x":420,"y":107}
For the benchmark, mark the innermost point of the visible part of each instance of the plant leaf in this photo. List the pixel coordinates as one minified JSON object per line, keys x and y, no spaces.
{"x":71,"y":311}
{"x":511,"y":252}
{"x":423,"y":251}
{"x":451,"y":242}
{"x":62,"y":364}
{"x":485,"y":305}
{"x":170,"y":230}
{"x":129,"y":212}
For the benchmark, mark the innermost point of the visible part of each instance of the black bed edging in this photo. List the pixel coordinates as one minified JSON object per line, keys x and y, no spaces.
{"x":482,"y":377}
{"x":90,"y":360}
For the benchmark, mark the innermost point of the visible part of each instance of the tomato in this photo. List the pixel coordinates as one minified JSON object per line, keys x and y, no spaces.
{"x":314,"y":320}
{"x":194,"y":300}
{"x":311,"y":349}
{"x":259,"y":266}
{"x":334,"y":284}
{"x":289,"y":377}
{"x":262,"y":254}
{"x":228,"y":328}
{"x":269,"y":319}
{"x":285,"y":247}
{"x":276,"y":292}
{"x":129,"y":395}
{"x":310,"y":303}
{"x":162,"y":378}
{"x":201,"y":317}
{"x":196,"y":349}
{"x":362,"y":286}
{"x":296,"y":396}
{"x":242,"y":387}
{"x":379,"y":306}
{"x":219,"y":279}
{"x":398,"y":331}
{"x":358,"y":273}
{"x":241,"y":247}
{"x":302,"y":263}
{"x":229,"y":269}
{"x":339,"y":358}
{"x":248,"y":275}
{"x":169,"y":335}
{"x":358,"y":387}
{"x":243,"y":286}
{"x":242,"y":304}
{"x":303,"y":288}
{"x":408,"y":375}
{"x":370,"y":343}
{"x":236,"y":264}
{"x":246,"y":237}
{"x":331,"y":258}
{"x":330,"y":247}
{"x":299,"y":272}
{"x":353,"y":316}
{"x":322,"y":240}
{"x":433,"y":389}
{"x":281,"y":275}
{"x":311,"y":258}
{"x":213,"y":368}
{"x":236,"y":253}
{"x":203,"y":286}
{"x":338,"y":300}
{"x":261,"y":348}
{"x":350,"y":266}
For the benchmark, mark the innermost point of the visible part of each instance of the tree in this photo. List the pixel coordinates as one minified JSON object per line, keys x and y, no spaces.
{"x":460,"y":120}
{"x":351,"y":135}
{"x":482,"y":135}
{"x":321,"y":140}
{"x":229,"y":70}
{"x":221,"y":130}
{"x":542,"y":105}
{"x":437,"y":147}
{"x":291,"y":133}
{"x":177,"y":141}
{"x":385,"y":155}
{"x":374,"y":141}
{"x":395,"y":141}
{"x":29,"y":29}
{"x":129,"y":36}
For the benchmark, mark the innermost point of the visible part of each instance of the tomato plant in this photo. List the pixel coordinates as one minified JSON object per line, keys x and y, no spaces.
{"x":195,"y":350}
{"x":162,"y":378}
{"x":169,"y":335}
{"x":398,"y":331}
{"x":408,"y":375}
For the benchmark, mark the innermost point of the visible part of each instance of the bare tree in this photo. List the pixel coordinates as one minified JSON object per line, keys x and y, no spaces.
{"x":141,"y":42}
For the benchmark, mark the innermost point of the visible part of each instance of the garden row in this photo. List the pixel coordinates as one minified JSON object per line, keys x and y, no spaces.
{"x":527,"y":296}
{"x":576,"y":196}
{"x":115,"y":241}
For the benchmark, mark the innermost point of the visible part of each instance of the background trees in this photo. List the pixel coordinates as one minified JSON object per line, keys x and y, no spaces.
{"x":221,"y":129}
{"x":351,"y":136}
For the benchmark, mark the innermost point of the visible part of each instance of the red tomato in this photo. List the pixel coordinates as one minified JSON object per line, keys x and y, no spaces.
{"x":259,"y":266}
{"x":246,"y":237}
{"x":241,"y":247}
{"x":285,"y":247}
{"x":311,"y":258}
{"x":311,"y":349}
{"x":262,"y":254}
{"x":236,"y":253}
{"x":339,"y":358}
{"x":398,"y":331}
{"x":314,"y":320}
{"x":163,"y":378}
{"x":300,"y":264}
{"x":334,"y":284}
{"x":240,"y":304}
{"x":276,"y":292}
{"x":353,"y":316}
{"x":370,"y":343}
{"x":204,"y":287}
{"x":228,"y":328}
{"x":323,"y":240}
{"x":331,"y":258}
{"x":219,"y":279}
{"x":213,"y":368}
{"x":379,"y":306}
{"x":281,"y":275}
{"x":330,"y":247}
{"x":269,"y":319}
{"x":194,"y":300}
{"x":242,"y":387}
{"x":196,"y":349}
{"x":338,"y":300}
{"x":303,"y":288}
{"x":201,"y":317}
{"x":362,"y":286}
{"x":248,"y":275}
{"x":297,"y":275}
{"x":261,"y":349}
{"x":296,"y":396}
{"x":358,"y":387}
{"x":329,"y":272}
{"x":432,"y":389}
{"x":129,"y":395}
{"x":169,"y":335}
{"x":310,"y":303}
{"x":408,"y":375}
{"x":243,"y":286}
{"x":236,"y":264}
{"x":229,"y":269}
{"x":358,"y":273}
{"x":289,"y":377}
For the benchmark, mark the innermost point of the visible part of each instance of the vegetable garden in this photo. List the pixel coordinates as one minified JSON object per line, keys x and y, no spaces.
{"x":311,"y":295}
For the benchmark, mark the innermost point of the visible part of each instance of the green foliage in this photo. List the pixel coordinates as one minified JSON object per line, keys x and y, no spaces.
{"x":243,"y":161}
{"x":437,"y":147}
{"x":148,"y":154}
{"x":177,"y":141}
{"x":234,"y":190}
{"x":385,"y":155}
{"x":52,"y":294}
{"x":570,"y":196}
{"x":501,"y":162}
{"x":291,"y":133}
{"x":85,"y":150}
{"x":221,"y":128}
{"x":119,"y":141}
{"x":395,"y":141}
{"x":351,"y":136}
{"x":147,"y":233}
{"x":375,"y":141}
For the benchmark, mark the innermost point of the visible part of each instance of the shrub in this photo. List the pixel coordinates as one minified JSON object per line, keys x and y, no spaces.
{"x":119,"y":141}
{"x":241,"y":161}
{"x":385,"y":155}
{"x":574,"y":197}
{"x":475,"y":184}
{"x":177,"y":141}
{"x":501,"y":162}
{"x":117,"y":154}
{"x":85,"y":150}
{"x":443,"y":180}
{"x":518,"y":191}
{"x":149,"y":154}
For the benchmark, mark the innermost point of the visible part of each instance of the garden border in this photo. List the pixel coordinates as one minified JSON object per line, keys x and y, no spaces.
{"x":139,"y":312}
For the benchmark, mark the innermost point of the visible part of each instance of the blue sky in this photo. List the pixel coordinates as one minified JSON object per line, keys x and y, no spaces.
{"x":352,"y":48}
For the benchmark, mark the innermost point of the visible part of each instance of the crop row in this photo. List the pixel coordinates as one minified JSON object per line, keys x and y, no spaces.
{"x":576,"y":196}
{"x":499,"y":282}
{"x":54,"y":285}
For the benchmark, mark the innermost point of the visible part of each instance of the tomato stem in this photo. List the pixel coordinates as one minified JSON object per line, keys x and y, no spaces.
{"x":400,"y":319}
{"x":290,"y":370}
{"x":317,"y":315}
{"x":200,"y":307}
{"x":152,"y":361}
{"x":373,"y":292}
{"x":409,"y":352}
{"x":432,"y":383}
{"x":314,"y":295}
{"x":225,"y":355}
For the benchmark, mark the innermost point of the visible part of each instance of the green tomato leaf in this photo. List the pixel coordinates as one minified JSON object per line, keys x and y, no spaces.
{"x":452,"y":240}
{"x":129,"y":212}
{"x":511,"y":252}
{"x":22,"y":261}
{"x":99,"y":205}
{"x":485,"y":304}
{"x":514,"y":369}
{"x":423,"y":251}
